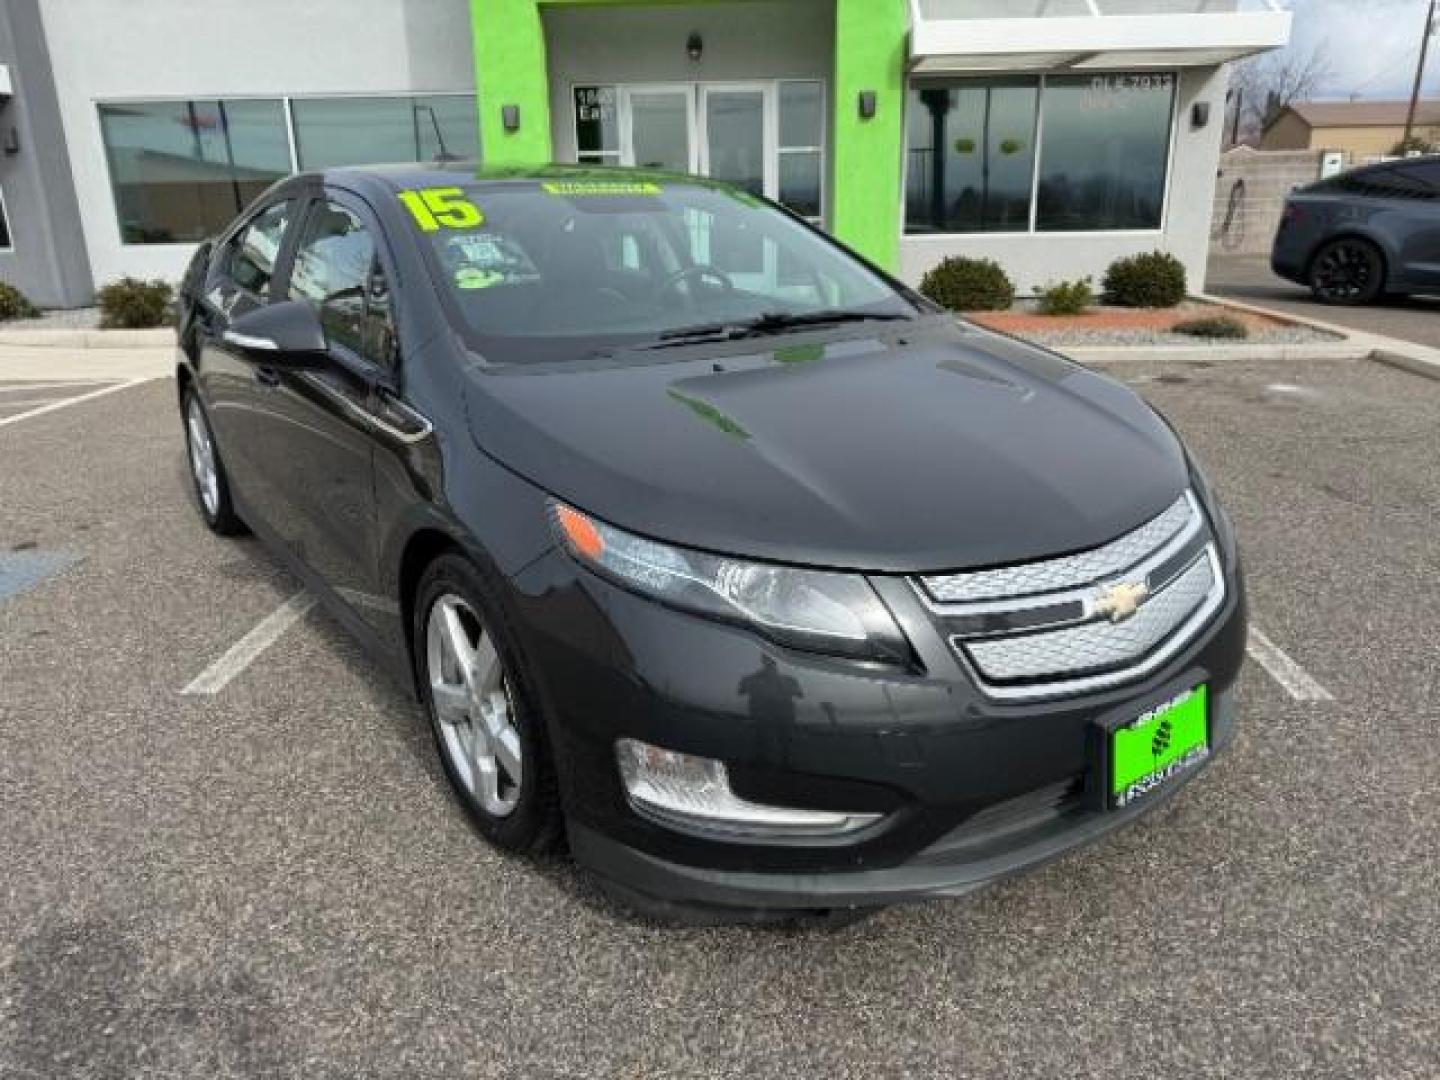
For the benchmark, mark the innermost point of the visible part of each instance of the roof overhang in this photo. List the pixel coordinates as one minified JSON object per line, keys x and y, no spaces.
{"x":1086,"y":42}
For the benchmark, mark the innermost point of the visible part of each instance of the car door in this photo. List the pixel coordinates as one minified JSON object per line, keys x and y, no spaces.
{"x":319,"y":422}
{"x":241,"y":278}
{"x":1418,"y":224}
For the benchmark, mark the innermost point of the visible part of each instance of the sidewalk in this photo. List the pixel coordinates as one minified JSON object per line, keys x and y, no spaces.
{"x":49,"y":363}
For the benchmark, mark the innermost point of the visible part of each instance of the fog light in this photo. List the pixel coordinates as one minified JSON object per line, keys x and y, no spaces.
{"x":692,"y":793}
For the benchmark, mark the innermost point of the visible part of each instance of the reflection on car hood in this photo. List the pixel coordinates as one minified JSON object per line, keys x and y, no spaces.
{"x":890,"y":448}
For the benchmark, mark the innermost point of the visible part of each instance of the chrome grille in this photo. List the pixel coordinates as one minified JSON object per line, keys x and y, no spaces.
{"x":1095,"y":646}
{"x":1068,"y":572}
{"x":1043,"y":629}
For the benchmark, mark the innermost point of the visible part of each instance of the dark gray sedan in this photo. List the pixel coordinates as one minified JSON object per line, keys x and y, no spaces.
{"x":1364,"y":233}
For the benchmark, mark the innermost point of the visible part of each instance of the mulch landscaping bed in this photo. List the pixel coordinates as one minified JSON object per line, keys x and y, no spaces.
{"x":1104,"y":325}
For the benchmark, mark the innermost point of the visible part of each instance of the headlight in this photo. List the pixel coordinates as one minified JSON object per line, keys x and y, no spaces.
{"x":805,"y":609}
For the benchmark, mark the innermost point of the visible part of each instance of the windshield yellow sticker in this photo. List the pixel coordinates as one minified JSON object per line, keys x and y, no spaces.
{"x":599,"y":187}
{"x":442,"y":207}
{"x":470,"y":277}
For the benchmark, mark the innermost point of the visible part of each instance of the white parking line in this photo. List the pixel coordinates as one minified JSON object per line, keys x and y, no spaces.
{"x":17,"y":386}
{"x":245,"y":651}
{"x":1295,"y":679}
{"x":72,"y":401}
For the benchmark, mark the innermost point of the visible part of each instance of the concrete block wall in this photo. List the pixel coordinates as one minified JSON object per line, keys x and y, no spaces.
{"x":1250,"y":192}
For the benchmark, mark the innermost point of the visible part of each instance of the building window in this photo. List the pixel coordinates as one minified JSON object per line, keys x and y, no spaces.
{"x":5,"y":242}
{"x":332,"y":132}
{"x":597,"y":125}
{"x":802,"y":147}
{"x":971,"y":156}
{"x":182,"y":170}
{"x":1105,"y":149}
{"x":1063,"y":153}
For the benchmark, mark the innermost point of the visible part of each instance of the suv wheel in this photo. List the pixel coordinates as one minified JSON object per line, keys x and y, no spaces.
{"x":1348,"y":271}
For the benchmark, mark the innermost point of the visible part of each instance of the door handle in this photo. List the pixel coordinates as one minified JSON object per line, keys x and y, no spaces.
{"x":267,"y":376}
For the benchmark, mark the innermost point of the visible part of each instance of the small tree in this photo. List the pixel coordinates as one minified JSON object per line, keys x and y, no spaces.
{"x":1416,"y":144}
{"x":1267,"y":84}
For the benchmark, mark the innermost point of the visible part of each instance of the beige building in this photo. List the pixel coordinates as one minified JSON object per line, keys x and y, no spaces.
{"x":1363,"y":128}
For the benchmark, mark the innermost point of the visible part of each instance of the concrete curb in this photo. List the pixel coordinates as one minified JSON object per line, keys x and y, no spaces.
{"x":1283,"y":316}
{"x":1114,"y":354}
{"x":87,"y":339}
{"x":1353,"y":345}
{"x":1426,"y":367}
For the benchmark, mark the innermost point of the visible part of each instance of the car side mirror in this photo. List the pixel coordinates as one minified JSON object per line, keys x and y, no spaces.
{"x":287,"y":333}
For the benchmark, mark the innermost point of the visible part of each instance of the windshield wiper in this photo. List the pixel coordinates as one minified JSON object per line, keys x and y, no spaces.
{"x":771,"y":322}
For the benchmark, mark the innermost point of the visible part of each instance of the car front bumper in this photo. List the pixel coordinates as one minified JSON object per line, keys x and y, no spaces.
{"x":971,"y":856}
{"x":968,"y":789}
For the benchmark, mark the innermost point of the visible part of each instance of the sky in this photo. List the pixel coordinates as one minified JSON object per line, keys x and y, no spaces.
{"x":1371,"y":45}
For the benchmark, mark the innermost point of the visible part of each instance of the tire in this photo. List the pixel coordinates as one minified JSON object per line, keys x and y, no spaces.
{"x":487,"y":725}
{"x":1348,"y":271}
{"x":208,"y":480}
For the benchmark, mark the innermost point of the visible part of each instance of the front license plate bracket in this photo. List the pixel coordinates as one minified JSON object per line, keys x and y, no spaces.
{"x":1142,"y":753}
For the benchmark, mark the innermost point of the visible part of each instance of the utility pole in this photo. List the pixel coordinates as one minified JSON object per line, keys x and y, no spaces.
{"x":1419,"y":74}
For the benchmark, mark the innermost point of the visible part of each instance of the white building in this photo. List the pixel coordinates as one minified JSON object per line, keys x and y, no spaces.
{"x":1052,"y":135}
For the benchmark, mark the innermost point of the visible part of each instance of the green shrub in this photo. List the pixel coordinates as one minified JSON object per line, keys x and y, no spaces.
{"x":1213,"y":326}
{"x":14,"y":304}
{"x":132,"y":304}
{"x":1067,"y":297}
{"x":962,"y":284}
{"x":1156,"y":280}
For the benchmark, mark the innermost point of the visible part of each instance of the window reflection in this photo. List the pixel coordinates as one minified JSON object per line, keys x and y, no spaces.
{"x":972,"y":156}
{"x":333,"y":132}
{"x":1107,"y":143}
{"x":182,"y":170}
{"x":1104,"y":147}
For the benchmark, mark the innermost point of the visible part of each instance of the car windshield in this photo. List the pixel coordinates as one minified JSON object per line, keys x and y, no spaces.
{"x":571,"y":269}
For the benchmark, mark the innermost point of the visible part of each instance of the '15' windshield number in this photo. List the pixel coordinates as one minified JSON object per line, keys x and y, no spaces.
{"x":445,"y":207}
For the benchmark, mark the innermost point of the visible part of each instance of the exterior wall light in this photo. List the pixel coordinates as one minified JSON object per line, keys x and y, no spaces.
{"x":1199,"y":114}
{"x":510,"y":117}
{"x":867,"y":104}
{"x":695,"y":47}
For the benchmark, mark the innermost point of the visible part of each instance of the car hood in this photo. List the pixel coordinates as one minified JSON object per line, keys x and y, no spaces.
{"x":930,"y":446}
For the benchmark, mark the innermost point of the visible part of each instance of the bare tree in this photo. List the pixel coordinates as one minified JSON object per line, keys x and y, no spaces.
{"x":1264,"y":85}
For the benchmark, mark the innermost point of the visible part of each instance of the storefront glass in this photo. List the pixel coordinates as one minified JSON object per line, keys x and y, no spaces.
{"x":1103,"y":151}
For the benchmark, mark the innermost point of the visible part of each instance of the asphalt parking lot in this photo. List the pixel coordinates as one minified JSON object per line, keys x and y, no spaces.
{"x":271,"y":880}
{"x":1248,"y":278}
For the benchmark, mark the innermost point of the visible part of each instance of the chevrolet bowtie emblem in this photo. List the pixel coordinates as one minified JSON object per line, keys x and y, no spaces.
{"x":1120,"y":601}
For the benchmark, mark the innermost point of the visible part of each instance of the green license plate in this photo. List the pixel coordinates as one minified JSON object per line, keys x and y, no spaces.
{"x":1159,"y":744}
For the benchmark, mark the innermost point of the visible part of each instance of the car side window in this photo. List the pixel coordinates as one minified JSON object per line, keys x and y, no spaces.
{"x":337,"y":269}
{"x":256,"y":248}
{"x":1422,"y":178}
{"x":1392,"y":182}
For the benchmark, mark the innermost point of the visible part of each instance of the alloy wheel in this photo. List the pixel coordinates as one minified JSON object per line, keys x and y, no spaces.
{"x":202,"y":458}
{"x":473,"y":706}
{"x":1344,"y":271}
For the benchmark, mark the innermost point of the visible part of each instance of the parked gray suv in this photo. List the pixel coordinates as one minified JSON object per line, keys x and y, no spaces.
{"x":1363,"y":233}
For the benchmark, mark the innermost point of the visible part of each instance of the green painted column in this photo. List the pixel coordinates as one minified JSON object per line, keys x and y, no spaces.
{"x":511,"y":69}
{"x":865,"y":167}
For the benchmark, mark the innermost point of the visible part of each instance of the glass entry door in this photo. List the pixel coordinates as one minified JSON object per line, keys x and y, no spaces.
{"x":766,"y":137}
{"x":737,"y":123}
{"x":657,"y":127}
